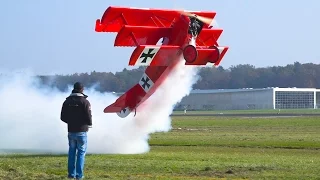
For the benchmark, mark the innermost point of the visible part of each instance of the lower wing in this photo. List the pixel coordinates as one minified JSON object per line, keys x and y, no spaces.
{"x":146,"y":55}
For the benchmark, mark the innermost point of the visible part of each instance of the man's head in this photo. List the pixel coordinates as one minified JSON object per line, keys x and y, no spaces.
{"x":78,"y":87}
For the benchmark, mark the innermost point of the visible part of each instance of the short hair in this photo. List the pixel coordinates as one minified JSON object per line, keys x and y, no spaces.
{"x":78,"y":86}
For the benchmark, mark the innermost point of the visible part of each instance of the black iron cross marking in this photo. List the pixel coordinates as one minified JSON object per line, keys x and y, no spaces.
{"x":124,"y":110}
{"x":148,"y":55}
{"x":145,"y":81}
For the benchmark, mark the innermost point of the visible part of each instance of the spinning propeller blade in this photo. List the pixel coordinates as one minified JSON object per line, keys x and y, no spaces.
{"x":200,"y":18}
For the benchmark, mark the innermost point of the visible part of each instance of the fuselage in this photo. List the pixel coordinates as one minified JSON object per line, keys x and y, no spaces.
{"x":136,"y":95}
{"x":179,"y":37}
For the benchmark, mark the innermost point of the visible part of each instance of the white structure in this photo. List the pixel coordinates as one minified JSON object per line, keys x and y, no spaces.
{"x":248,"y":98}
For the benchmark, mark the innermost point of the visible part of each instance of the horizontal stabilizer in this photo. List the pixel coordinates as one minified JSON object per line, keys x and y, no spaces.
{"x":127,"y":100}
{"x":140,"y":35}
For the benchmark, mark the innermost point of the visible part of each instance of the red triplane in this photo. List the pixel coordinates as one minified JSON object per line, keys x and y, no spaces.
{"x":186,"y":34}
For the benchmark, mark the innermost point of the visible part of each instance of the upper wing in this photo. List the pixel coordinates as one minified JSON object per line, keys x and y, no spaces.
{"x":115,"y":17}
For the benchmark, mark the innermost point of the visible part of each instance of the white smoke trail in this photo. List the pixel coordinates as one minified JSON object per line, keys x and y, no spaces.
{"x":155,"y":115}
{"x":30,"y":116}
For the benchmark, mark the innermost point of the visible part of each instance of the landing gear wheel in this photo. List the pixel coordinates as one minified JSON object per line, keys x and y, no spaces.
{"x":190,"y":53}
{"x":216,"y":54}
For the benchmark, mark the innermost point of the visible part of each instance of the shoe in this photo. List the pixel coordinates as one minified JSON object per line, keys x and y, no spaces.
{"x":77,"y":178}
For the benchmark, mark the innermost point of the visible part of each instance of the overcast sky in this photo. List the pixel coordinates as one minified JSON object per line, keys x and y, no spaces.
{"x":58,"y":36}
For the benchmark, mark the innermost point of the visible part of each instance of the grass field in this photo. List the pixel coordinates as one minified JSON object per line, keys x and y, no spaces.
{"x":255,"y":111}
{"x":199,"y":148}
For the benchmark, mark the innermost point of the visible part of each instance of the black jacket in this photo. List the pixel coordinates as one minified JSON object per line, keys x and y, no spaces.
{"x":76,"y":112}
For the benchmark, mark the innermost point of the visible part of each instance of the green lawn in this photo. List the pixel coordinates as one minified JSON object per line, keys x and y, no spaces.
{"x":199,"y":148}
{"x":257,"y":111}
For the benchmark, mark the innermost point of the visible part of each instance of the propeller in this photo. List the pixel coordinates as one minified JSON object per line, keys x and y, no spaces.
{"x":205,"y":20}
{"x":208,"y":21}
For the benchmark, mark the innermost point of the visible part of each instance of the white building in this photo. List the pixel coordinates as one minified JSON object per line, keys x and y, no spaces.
{"x":248,"y":98}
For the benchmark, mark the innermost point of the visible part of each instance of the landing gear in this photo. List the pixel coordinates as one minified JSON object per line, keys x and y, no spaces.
{"x":216,"y":54}
{"x":190,"y":53}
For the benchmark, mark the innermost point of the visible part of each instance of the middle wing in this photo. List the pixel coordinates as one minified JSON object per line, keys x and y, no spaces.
{"x":208,"y":37}
{"x":140,"y":35}
{"x":145,"y":35}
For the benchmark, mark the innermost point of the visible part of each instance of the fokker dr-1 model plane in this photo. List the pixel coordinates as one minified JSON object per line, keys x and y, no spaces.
{"x":186,"y":34}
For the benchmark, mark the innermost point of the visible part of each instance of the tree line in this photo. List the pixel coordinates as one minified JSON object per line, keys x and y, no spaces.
{"x":239,"y":76}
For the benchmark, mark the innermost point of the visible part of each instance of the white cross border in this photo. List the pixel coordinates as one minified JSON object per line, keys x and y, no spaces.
{"x":149,"y":60}
{"x":150,"y":82}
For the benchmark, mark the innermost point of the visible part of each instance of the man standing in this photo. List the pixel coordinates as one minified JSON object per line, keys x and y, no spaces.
{"x":76,"y":112}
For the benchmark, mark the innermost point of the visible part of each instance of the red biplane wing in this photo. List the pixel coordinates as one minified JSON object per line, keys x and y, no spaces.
{"x":209,"y":37}
{"x":146,"y":55}
{"x":114,"y":18}
{"x":140,"y":35}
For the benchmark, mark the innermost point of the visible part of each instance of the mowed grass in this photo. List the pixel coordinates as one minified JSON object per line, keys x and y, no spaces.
{"x":254,"y":111}
{"x":276,"y":132}
{"x":198,"y":148}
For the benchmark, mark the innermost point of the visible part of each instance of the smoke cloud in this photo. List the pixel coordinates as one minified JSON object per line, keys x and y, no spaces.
{"x":30,"y":116}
